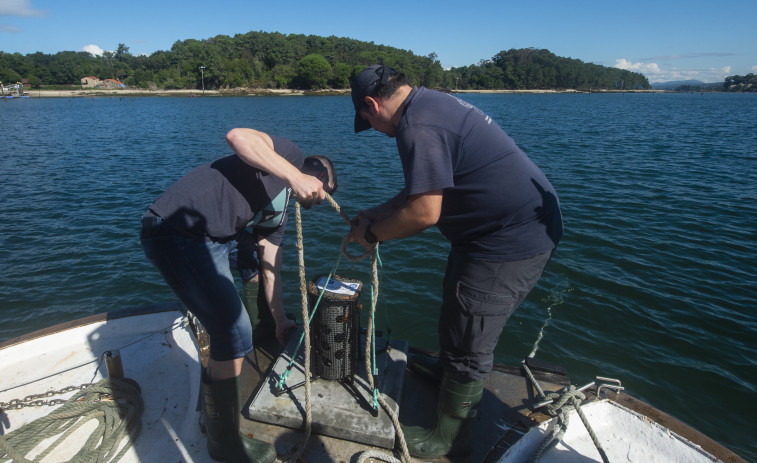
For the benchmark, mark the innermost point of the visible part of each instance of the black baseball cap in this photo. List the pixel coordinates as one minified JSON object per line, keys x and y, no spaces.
{"x":364,"y":85}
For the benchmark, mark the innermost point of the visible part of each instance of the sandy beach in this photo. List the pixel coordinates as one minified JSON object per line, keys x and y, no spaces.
{"x":112,"y":93}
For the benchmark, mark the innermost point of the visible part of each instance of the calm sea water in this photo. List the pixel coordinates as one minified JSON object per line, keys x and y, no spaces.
{"x":654,"y":283}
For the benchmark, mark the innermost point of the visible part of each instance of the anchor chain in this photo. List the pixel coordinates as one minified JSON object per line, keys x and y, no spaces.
{"x":38,"y":400}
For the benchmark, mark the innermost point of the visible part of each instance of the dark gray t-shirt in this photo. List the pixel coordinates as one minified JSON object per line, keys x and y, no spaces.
{"x":497,"y":205}
{"x":218,"y":199}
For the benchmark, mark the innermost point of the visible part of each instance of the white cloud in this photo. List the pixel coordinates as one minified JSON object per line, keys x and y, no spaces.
{"x":19,"y":8}
{"x":644,"y":68}
{"x":754,"y":68}
{"x":10,"y":28}
{"x":92,"y":49}
{"x":655,"y":73}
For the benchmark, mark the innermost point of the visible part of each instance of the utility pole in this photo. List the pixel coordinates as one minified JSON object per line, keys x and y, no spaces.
{"x":202,"y":73}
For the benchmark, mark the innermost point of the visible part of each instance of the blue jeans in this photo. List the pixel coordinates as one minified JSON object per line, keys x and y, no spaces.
{"x":244,"y":256}
{"x":478,"y":299}
{"x":198,"y":272}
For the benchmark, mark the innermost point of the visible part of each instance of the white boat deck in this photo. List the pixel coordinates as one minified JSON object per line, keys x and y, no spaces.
{"x":623,"y":434}
{"x":158,"y":350}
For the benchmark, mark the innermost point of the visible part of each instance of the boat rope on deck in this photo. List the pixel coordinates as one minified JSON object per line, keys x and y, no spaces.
{"x":116,"y":404}
{"x":370,"y":336}
{"x":558,"y":405}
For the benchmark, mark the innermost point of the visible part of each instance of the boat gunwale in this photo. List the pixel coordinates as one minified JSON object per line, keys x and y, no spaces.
{"x":92,"y":319}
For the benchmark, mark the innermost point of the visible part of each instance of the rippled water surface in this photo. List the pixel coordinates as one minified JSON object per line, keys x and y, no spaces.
{"x":654,"y":283}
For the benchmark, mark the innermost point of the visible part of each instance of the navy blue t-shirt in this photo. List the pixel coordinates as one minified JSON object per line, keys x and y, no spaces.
{"x":218,"y":199}
{"x":497,"y":205}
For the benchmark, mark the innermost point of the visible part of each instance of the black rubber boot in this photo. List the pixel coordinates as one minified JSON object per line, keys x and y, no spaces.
{"x":452,"y":433}
{"x":425,"y":367}
{"x":221,"y":421}
{"x":250,"y":299}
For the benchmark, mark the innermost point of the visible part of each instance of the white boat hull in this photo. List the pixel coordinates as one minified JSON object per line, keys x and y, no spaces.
{"x":623,"y":434}
{"x":158,"y":350}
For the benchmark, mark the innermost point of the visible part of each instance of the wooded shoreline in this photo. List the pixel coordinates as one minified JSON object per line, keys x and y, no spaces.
{"x":111,"y":93}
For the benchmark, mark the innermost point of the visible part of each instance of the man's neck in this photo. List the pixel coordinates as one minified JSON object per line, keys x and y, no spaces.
{"x":396,"y":103}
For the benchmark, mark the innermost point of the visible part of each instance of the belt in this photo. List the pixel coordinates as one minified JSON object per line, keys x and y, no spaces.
{"x":153,"y":224}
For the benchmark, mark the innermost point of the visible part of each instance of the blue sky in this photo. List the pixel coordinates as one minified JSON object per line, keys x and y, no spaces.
{"x":664,"y":40}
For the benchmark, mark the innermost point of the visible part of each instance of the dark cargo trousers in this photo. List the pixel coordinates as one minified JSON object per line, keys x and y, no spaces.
{"x":478,"y":299}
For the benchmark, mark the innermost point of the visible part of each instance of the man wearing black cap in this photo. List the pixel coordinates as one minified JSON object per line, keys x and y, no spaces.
{"x":188,"y":234}
{"x":497,"y":209}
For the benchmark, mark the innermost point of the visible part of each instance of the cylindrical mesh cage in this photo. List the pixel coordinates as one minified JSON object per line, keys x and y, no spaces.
{"x":335,"y":328}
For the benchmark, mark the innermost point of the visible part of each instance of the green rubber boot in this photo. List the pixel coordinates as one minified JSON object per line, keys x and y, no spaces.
{"x":425,"y":367}
{"x":250,"y":299}
{"x":452,"y":433}
{"x":221,"y":421}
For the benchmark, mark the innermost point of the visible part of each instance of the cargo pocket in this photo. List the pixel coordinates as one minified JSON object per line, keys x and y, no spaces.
{"x":484,"y":316}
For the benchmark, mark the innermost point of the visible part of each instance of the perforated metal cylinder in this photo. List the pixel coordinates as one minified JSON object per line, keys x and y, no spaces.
{"x":335,"y":329}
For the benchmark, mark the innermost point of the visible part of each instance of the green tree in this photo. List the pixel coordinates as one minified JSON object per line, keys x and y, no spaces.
{"x":314,"y":72}
{"x":9,"y":76}
{"x":342,"y":72}
{"x":122,"y":52}
{"x":282,"y":76}
{"x":741,"y":83}
{"x":34,"y":81}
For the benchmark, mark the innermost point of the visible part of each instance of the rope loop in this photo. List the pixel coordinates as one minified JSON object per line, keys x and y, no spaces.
{"x":116,"y":404}
{"x":362,"y":256}
{"x":377,"y":455}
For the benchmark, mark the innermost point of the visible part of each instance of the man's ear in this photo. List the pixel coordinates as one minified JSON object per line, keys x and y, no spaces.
{"x":371,"y":103}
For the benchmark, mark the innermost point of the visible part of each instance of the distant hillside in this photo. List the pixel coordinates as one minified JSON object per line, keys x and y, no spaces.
{"x":677,"y":84}
{"x":297,"y":61}
{"x":530,"y":68}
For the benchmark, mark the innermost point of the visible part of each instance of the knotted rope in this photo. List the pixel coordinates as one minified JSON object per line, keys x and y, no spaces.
{"x":562,"y":402}
{"x":115,"y":403}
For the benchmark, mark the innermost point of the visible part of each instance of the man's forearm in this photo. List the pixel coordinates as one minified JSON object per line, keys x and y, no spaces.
{"x":387,"y":209}
{"x":416,"y":214}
